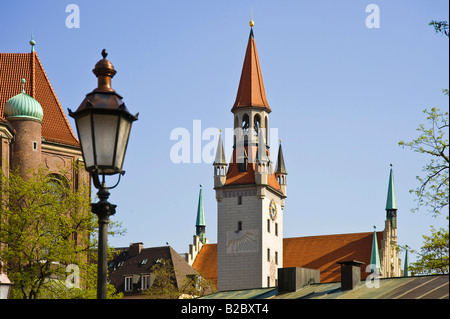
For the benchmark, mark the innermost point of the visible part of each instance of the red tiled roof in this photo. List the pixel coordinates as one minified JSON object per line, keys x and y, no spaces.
{"x":234,"y":177}
{"x":251,"y":87}
{"x":206,"y":262}
{"x":14,"y":67}
{"x":316,"y":252}
{"x":322,"y":252}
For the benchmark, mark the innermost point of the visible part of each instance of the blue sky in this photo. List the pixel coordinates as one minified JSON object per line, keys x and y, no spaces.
{"x":342,"y":97}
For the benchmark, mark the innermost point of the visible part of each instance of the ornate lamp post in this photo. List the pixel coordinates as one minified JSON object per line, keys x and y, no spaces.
{"x":103,"y":125}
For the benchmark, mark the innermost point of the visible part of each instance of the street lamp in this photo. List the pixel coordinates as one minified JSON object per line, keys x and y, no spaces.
{"x":103,"y":125}
{"x":5,"y":283}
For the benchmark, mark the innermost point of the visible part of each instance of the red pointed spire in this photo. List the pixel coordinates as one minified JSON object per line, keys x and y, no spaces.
{"x":251,"y":91}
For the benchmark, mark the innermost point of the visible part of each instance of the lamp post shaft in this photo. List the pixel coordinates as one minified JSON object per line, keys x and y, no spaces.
{"x":103,"y":209}
{"x":102,"y":255}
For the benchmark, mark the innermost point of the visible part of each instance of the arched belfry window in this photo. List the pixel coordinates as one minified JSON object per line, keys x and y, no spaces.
{"x":256,"y":124}
{"x":245,"y":123}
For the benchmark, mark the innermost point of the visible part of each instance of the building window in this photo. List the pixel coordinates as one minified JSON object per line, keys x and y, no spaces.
{"x":256,"y":124}
{"x":57,"y":186}
{"x":276,"y":229}
{"x":239,"y":226}
{"x":268,"y":254}
{"x":276,"y":258}
{"x":245,"y":123}
{"x":35,"y":146}
{"x":128,"y":283}
{"x":268,"y":281}
{"x":239,"y":200}
{"x":268,"y":225}
{"x":145,"y":282}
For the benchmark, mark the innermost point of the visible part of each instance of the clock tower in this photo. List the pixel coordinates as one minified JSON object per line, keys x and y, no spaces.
{"x":250,"y":193}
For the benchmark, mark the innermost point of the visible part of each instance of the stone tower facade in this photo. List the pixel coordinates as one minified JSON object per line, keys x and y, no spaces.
{"x":250,"y":200}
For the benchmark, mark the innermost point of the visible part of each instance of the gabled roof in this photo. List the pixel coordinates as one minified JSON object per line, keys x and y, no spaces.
{"x":205,"y":263}
{"x":251,"y":92}
{"x":316,"y":252}
{"x":14,"y":67}
{"x":124,"y":264}
{"x":322,"y":252}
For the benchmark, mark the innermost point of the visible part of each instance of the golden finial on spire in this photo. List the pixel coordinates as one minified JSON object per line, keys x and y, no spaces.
{"x":252,"y":23}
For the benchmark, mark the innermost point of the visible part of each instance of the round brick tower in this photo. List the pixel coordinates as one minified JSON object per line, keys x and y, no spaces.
{"x":25,"y":115}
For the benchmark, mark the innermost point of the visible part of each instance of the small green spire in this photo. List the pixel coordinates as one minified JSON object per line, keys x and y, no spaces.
{"x":391,"y":202}
{"x":200,"y":212}
{"x":406,"y":271}
{"x":375,"y":255}
{"x":200,"y":224}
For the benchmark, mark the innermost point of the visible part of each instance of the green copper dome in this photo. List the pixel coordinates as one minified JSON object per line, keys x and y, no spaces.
{"x":24,"y":106}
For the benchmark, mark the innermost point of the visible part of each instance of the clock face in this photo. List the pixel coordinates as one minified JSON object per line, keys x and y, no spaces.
{"x":273,"y":210}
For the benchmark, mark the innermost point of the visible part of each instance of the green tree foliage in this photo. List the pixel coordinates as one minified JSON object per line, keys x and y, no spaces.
{"x":433,"y":191}
{"x":434,"y":254}
{"x":45,"y":226}
{"x":165,"y":284}
{"x":440,"y":26}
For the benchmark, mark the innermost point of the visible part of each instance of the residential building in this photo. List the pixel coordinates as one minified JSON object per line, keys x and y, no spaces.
{"x":130,"y":271}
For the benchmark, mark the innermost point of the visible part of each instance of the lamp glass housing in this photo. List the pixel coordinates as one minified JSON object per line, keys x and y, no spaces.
{"x":104,"y":138}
